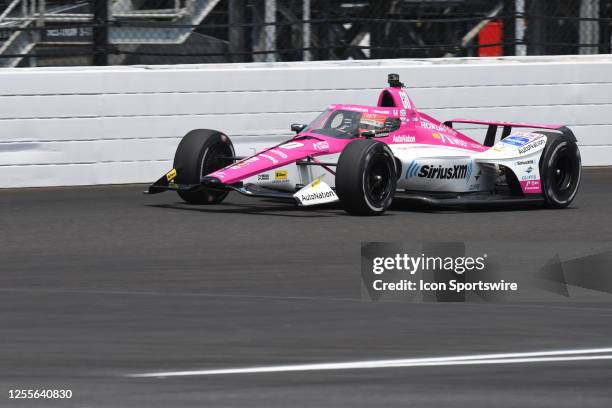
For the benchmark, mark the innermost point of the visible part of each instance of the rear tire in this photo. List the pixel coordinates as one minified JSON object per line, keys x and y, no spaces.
{"x":366,"y":177}
{"x":560,"y":170}
{"x":199,"y":153}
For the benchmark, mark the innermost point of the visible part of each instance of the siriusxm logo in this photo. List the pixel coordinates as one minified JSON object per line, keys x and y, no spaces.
{"x":439,"y":172}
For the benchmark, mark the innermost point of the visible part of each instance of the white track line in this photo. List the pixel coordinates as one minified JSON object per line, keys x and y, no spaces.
{"x":503,"y":358}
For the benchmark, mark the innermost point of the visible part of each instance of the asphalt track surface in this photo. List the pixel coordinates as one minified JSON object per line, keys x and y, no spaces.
{"x":102,"y":282}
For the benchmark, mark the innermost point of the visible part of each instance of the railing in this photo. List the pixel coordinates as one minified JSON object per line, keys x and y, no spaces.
{"x":28,"y":19}
{"x":32,"y":10}
{"x":115,"y":32}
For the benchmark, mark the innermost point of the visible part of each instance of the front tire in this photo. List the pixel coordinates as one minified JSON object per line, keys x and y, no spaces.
{"x":199,"y":153}
{"x":560,"y":170}
{"x":366,"y":177}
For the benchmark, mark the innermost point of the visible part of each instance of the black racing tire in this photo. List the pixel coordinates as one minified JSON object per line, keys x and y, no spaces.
{"x":366,"y":177}
{"x":199,"y":153}
{"x":560,"y":170}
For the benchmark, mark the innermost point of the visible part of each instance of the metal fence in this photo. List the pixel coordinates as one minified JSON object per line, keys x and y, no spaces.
{"x":115,"y":32}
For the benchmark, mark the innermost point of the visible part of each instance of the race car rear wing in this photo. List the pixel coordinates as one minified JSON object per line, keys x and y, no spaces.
{"x":492,"y":130}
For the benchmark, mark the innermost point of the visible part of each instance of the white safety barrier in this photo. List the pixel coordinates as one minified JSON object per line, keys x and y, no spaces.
{"x":79,"y":126}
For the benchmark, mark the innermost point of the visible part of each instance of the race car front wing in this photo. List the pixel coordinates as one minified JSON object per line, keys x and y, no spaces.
{"x":252,"y":190}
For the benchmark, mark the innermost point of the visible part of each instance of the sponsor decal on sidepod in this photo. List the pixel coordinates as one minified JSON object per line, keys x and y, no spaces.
{"x":425,"y":124}
{"x":439,"y":172}
{"x":515,"y":141}
{"x":443,"y":137}
{"x":531,"y":186}
{"x":404,"y":139}
{"x":531,"y":146}
{"x":524,"y":162}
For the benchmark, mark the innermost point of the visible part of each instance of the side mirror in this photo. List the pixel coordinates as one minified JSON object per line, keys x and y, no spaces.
{"x":297,"y":127}
{"x":392,"y":124}
{"x":368,"y":134}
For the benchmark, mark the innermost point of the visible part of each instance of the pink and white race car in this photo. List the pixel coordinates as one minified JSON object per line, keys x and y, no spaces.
{"x":363,"y":156}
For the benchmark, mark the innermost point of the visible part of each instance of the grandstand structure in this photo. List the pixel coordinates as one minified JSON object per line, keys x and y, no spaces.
{"x":114,"y":32}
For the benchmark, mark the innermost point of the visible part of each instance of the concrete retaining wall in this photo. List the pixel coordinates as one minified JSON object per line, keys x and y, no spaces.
{"x":77,"y":126}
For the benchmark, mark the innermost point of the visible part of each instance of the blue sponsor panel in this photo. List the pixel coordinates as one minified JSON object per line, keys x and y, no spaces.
{"x":516,"y":140}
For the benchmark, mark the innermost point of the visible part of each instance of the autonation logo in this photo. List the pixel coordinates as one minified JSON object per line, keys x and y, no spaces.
{"x":317,"y":195}
{"x":532,"y":145}
{"x":455,"y":172}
